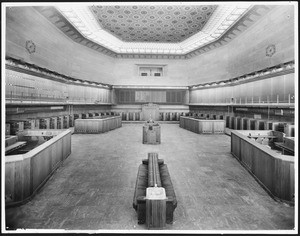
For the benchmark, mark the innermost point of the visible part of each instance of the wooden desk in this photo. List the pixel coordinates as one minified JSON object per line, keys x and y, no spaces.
{"x":14,"y":146}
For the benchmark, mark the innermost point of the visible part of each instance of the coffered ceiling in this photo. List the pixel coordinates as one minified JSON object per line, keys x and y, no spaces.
{"x":139,"y":30}
{"x":155,"y":23}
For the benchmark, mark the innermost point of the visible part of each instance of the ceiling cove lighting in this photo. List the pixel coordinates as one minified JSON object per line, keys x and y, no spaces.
{"x":81,"y":17}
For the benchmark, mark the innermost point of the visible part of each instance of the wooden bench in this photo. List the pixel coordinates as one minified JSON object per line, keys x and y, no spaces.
{"x":153,"y":173}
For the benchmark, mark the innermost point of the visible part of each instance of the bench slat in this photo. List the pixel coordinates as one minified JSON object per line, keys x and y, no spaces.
{"x":153,"y":170}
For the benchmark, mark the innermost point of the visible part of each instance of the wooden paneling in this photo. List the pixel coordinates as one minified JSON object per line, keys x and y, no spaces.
{"x":156,"y":213}
{"x":279,"y":89}
{"x":202,"y":126}
{"x":132,"y":96}
{"x":25,"y":174}
{"x":207,"y":127}
{"x":274,"y":171}
{"x":236,"y":145}
{"x":99,"y":125}
{"x":29,"y":88}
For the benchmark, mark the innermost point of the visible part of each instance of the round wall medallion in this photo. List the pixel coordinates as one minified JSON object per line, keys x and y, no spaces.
{"x":30,"y":46}
{"x":270,"y":50}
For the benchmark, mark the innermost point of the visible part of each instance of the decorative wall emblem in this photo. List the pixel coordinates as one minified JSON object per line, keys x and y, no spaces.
{"x":270,"y":50}
{"x":30,"y":46}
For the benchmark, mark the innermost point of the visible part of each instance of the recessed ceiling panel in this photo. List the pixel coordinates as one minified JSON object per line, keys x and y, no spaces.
{"x":160,"y":24}
{"x":143,"y":30}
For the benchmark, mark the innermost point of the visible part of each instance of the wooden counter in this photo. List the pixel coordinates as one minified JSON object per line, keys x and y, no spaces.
{"x":202,"y":126}
{"x":100,"y":125}
{"x":274,"y":171}
{"x":26,"y":173}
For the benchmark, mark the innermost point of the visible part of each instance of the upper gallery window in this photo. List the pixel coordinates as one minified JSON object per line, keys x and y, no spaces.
{"x":157,"y":71}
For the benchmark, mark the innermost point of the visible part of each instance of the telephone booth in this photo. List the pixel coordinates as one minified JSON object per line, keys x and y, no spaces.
{"x":53,"y":122}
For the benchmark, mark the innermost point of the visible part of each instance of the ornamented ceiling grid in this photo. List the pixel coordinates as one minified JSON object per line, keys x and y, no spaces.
{"x":222,"y":18}
{"x":67,"y":20}
{"x":158,"y":23}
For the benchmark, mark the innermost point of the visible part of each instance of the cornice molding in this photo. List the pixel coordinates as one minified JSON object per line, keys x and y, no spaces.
{"x":239,"y":27}
{"x":56,"y":18}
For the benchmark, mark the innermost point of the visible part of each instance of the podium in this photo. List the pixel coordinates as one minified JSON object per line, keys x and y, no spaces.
{"x":151,"y":133}
{"x":156,"y":207}
{"x":150,"y":111}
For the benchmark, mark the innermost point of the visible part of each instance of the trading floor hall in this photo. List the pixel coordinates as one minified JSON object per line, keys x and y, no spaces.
{"x":94,"y":187}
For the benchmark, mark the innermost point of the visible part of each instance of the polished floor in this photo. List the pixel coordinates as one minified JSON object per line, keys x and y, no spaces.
{"x":93,"y":189}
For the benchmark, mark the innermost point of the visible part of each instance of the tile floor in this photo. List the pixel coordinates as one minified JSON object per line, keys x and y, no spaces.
{"x":93,"y":189}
